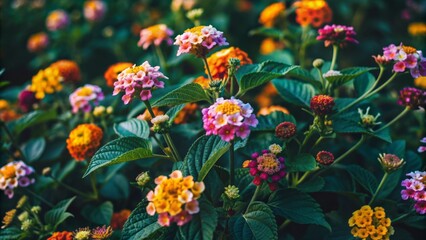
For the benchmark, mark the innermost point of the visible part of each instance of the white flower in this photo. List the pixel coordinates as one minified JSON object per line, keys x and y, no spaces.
{"x":275,"y":148}
{"x":332,"y":73}
{"x":160,"y":119}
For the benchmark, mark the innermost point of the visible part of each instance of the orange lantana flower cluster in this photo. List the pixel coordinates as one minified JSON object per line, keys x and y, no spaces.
{"x":112,"y":72}
{"x":68,"y":69}
{"x":271,"y":13}
{"x":312,"y":12}
{"x":367,"y":223}
{"x":218,"y":62}
{"x":84,"y":140}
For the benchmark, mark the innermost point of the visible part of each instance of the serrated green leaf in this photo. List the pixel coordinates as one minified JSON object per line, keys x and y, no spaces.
{"x":32,"y":119}
{"x":269,"y":122}
{"x":202,"y":156}
{"x":257,"y":224}
{"x":58,"y":213}
{"x":140,"y":225}
{"x":253,"y":75}
{"x":365,"y":178}
{"x":132,"y":127}
{"x":192,"y":92}
{"x":34,"y":148}
{"x":120,"y":150}
{"x":298,"y":207}
{"x":301,"y":163}
{"x":174,"y":112}
{"x":294,"y":92}
{"x":100,"y":214}
{"x":202,"y":225}
{"x":347,"y":75}
{"x":10,"y":233}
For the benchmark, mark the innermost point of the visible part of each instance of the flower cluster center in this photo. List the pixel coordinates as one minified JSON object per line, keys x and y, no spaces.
{"x":85,"y":92}
{"x":8,"y":172}
{"x":409,"y":49}
{"x":228,"y":108}
{"x":135,"y":69}
{"x":268,"y":163}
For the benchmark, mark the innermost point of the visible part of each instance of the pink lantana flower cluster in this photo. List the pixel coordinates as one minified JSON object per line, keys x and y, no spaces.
{"x":266,"y":167}
{"x":415,"y":188}
{"x":138,"y":80}
{"x":82,"y":98}
{"x":199,"y":40}
{"x":94,"y":10}
{"x":422,"y":148}
{"x":15,"y":174}
{"x":229,"y":118}
{"x":155,"y":35}
{"x":406,"y":57}
{"x":57,"y":20}
{"x":338,"y":35}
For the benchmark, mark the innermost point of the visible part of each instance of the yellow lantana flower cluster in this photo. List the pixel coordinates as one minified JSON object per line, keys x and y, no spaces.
{"x":174,"y":198}
{"x":271,"y":13}
{"x":369,"y":224}
{"x":46,"y":81}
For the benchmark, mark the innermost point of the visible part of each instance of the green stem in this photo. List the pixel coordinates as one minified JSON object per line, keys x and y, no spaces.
{"x":231,"y":90}
{"x":148,"y":106}
{"x":206,"y":65}
{"x":363,"y":96}
{"x":382,"y":182}
{"x":308,"y":136}
{"x":253,"y":198}
{"x":38,"y":197}
{"x":284,"y":224}
{"x":12,"y":139}
{"x":334,"y":58}
{"x":172,"y":146}
{"x":73,"y":189}
{"x":403,"y":216}
{"x":94,"y":188}
{"x":318,"y":141}
{"x":161,"y":58}
{"x":403,"y":113}
{"x":160,"y":144}
{"x":232,"y":163}
{"x":384,"y":85}
{"x":304,"y":176}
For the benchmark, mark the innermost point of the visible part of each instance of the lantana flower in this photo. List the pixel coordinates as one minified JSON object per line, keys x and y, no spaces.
{"x":27,"y":100}
{"x":322,"y":104}
{"x":68,"y":69}
{"x":199,"y":40}
{"x":64,"y":235}
{"x":138,"y":80}
{"x":229,"y":118}
{"x":119,"y":218}
{"x":155,"y":35}
{"x":312,"y":12}
{"x":266,"y":167}
{"x":83,"y":98}
{"x":338,"y":35}
{"x":367,"y":223}
{"x":112,"y":72}
{"x":84,"y":140}
{"x":271,"y":13}
{"x":412,"y":97}
{"x":15,"y":174}
{"x":406,"y":58}
{"x":94,"y":10}
{"x":218,"y":61}
{"x":174,"y":199}
{"x":38,"y":42}
{"x":46,"y":81}
{"x":415,"y":188}
{"x":422,"y":148}
{"x":57,"y":20}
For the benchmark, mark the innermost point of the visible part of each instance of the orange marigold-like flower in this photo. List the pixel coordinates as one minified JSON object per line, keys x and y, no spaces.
{"x":270,"y":45}
{"x":84,"y":140}
{"x":68,"y":69}
{"x":420,"y":82}
{"x":312,"y":12}
{"x":275,"y":108}
{"x":186,"y":113}
{"x":218,"y":62}
{"x":112,"y":72}
{"x":64,"y":235}
{"x":118,"y":219}
{"x":38,"y":42}
{"x":9,"y":115}
{"x":417,"y":29}
{"x":271,"y":13}
{"x":203,"y":81}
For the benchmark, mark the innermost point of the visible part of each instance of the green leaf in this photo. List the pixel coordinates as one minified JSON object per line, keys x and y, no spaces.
{"x":267,"y":32}
{"x":120,"y":150}
{"x":270,"y":121}
{"x":34,"y":149}
{"x":174,"y":112}
{"x":132,"y":128}
{"x":365,"y":178}
{"x":303,"y":75}
{"x":99,"y":214}
{"x":116,"y":188}
{"x":312,"y":186}
{"x":295,"y":92}
{"x":363,"y":83}
{"x":253,"y":75}
{"x":32,"y":119}
{"x":347,"y":75}
{"x":301,"y":163}
{"x":10,"y":233}
{"x":202,"y":156}
{"x":140,"y":225}
{"x":58,"y":213}
{"x":202,"y":225}
{"x":192,"y":92}
{"x":298,"y":207}
{"x":257,"y":224}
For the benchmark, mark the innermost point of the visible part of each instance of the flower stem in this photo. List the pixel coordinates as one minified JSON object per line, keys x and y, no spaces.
{"x":384,"y":85}
{"x":149,"y":108}
{"x":12,"y":139}
{"x":94,"y":188}
{"x":403,"y":113}
{"x":232,"y":163}
{"x":172,"y":146}
{"x":382,"y":182}
{"x":161,"y":57}
{"x":73,"y":189}
{"x":334,"y":58}
{"x":38,"y":197}
{"x":284,"y":224}
{"x":253,"y":198}
{"x":308,"y":136}
{"x":206,"y":65}
{"x":403,"y":216}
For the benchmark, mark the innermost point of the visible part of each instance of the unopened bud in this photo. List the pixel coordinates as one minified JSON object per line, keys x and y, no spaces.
{"x":143,"y":178}
{"x":232,"y":192}
{"x":318,"y":63}
{"x":390,"y":162}
{"x":46,"y":171}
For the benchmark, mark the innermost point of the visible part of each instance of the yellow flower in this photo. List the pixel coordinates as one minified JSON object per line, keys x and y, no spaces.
{"x":4,"y":104}
{"x":8,"y":218}
{"x":367,"y":223}
{"x":417,"y":29}
{"x":420,"y":82}
{"x":46,"y":81}
{"x":84,"y":140}
{"x":271,"y":13}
